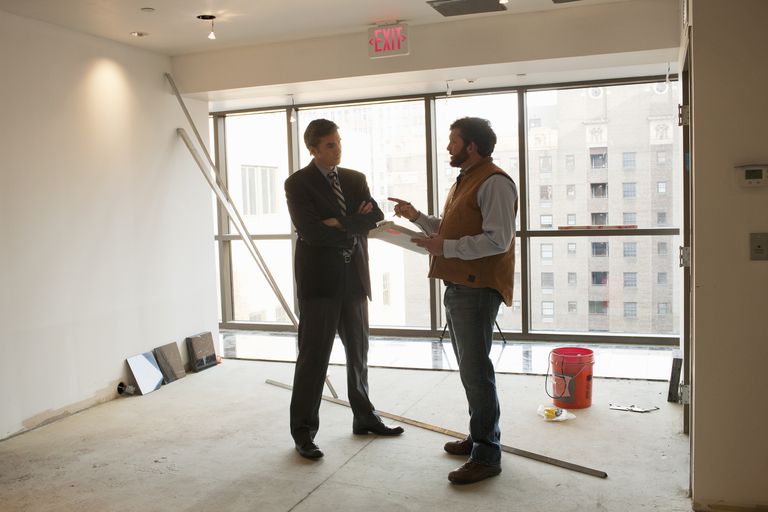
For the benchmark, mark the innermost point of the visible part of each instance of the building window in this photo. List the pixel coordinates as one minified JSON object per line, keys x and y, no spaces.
{"x":386,"y":288}
{"x":599,"y":189}
{"x":546,"y":253}
{"x":629,"y":189}
{"x":547,"y":309}
{"x":598,"y":158}
{"x":630,"y":249}
{"x":260,"y":183}
{"x":599,"y":278}
{"x":548,"y":280}
{"x":629,"y":160}
{"x":630,"y":279}
{"x":570,"y":162}
{"x":571,"y":219}
{"x":570,"y":190}
{"x":545,"y":221}
{"x":545,"y":194}
{"x":661,"y":278}
{"x":661,"y":157}
{"x":661,"y":187}
{"x":629,"y":218}
{"x":662,"y":308}
{"x":515,"y":305}
{"x":600,"y":219}
{"x":572,"y":306}
{"x":571,"y":249}
{"x":661,"y":218}
{"x":571,"y":278}
{"x":534,"y":122}
{"x":630,"y":310}
{"x":598,"y":307}
{"x":661,"y":248}
{"x":545,"y":164}
{"x":599,"y":248}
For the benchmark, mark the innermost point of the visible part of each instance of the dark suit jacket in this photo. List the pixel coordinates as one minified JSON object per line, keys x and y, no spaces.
{"x":319,"y":265}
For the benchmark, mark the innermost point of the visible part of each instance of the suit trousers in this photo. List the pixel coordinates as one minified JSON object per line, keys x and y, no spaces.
{"x":319,"y":321}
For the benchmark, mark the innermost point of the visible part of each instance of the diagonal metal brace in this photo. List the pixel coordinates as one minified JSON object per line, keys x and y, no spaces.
{"x":459,"y":435}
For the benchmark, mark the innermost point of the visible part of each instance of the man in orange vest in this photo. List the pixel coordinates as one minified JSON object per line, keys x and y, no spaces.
{"x":472,"y":250}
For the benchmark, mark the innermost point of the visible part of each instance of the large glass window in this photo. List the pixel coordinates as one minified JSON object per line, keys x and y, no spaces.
{"x":257,"y":165}
{"x":386,"y":142}
{"x":633,"y":289}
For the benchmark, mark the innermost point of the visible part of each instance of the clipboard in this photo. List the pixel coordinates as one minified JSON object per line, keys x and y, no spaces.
{"x":398,"y":235}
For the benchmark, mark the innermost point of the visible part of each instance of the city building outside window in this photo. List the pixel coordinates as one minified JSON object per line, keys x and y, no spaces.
{"x":630,"y":310}
{"x":572,"y":306}
{"x":630,"y":279}
{"x":598,"y":158}
{"x":598,"y":307}
{"x":629,"y":189}
{"x":600,"y":249}
{"x":599,"y":278}
{"x":599,"y":219}
{"x":599,"y":189}
{"x":571,"y":278}
{"x":629,"y":219}
{"x":571,"y":249}
{"x":629,"y":160}
{"x":630,"y":249}
{"x":570,"y":162}
{"x":661,"y":187}
{"x":661,"y":278}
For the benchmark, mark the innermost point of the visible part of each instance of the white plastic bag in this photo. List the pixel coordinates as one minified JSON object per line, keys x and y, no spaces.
{"x":551,"y":413}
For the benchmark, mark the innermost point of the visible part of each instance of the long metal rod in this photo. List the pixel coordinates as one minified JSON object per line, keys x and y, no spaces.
{"x":459,"y":435}
{"x":222,"y":193}
{"x":232,"y":211}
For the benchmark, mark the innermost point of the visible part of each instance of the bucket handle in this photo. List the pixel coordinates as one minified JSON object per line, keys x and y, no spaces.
{"x":546,"y":377}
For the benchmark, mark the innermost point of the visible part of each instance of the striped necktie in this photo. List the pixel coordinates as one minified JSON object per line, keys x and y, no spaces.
{"x":336,"y":187}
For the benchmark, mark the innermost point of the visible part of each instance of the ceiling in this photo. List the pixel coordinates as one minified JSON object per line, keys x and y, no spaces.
{"x":174,"y":29}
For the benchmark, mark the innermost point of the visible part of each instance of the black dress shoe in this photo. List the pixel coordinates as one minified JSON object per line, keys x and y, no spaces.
{"x":471,"y":472}
{"x":376,"y":428}
{"x":463,"y":447}
{"x":309,"y":450}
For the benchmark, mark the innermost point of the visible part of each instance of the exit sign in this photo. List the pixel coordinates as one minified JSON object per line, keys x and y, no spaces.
{"x":388,"y":40}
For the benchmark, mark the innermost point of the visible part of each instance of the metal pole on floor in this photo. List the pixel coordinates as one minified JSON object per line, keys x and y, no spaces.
{"x":459,"y":435}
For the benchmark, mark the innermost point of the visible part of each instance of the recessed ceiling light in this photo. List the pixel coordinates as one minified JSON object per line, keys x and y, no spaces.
{"x":148,"y":9}
{"x":139,"y":34}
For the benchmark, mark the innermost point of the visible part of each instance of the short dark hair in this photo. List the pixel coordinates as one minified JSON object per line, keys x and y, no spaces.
{"x":318,"y":129}
{"x":477,"y":130}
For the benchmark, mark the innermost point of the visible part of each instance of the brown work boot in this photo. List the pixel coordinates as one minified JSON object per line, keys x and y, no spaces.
{"x":471,"y":472}
{"x":463,"y":447}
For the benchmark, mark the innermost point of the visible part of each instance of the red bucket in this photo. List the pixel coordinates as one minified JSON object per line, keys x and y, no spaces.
{"x":572,"y":377}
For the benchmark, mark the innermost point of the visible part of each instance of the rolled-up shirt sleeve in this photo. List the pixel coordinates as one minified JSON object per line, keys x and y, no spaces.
{"x":496,"y":197}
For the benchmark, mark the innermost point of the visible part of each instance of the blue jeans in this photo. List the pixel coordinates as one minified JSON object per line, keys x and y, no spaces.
{"x":471,"y":314}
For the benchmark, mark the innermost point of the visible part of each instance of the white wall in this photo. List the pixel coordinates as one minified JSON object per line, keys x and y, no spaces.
{"x":730,"y":419}
{"x":105,"y":221}
{"x":633,"y":27}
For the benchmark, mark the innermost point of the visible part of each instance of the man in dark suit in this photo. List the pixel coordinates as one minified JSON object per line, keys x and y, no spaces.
{"x":332,"y":210}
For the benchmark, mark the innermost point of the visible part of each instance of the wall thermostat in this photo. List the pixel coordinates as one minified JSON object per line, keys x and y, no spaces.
{"x":752,"y":175}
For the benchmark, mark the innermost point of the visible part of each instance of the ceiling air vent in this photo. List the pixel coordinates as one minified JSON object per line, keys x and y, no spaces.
{"x":461,"y":7}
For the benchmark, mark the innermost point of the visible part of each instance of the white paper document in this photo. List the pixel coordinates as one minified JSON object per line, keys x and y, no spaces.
{"x":398,"y":235}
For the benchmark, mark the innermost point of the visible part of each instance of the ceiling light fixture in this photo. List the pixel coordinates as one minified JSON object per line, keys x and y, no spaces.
{"x":292,"y":119}
{"x":502,"y":2}
{"x":139,"y":34}
{"x":210,"y":17}
{"x":147,"y":9}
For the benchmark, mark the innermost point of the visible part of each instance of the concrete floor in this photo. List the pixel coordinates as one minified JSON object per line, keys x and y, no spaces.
{"x":218,"y":441}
